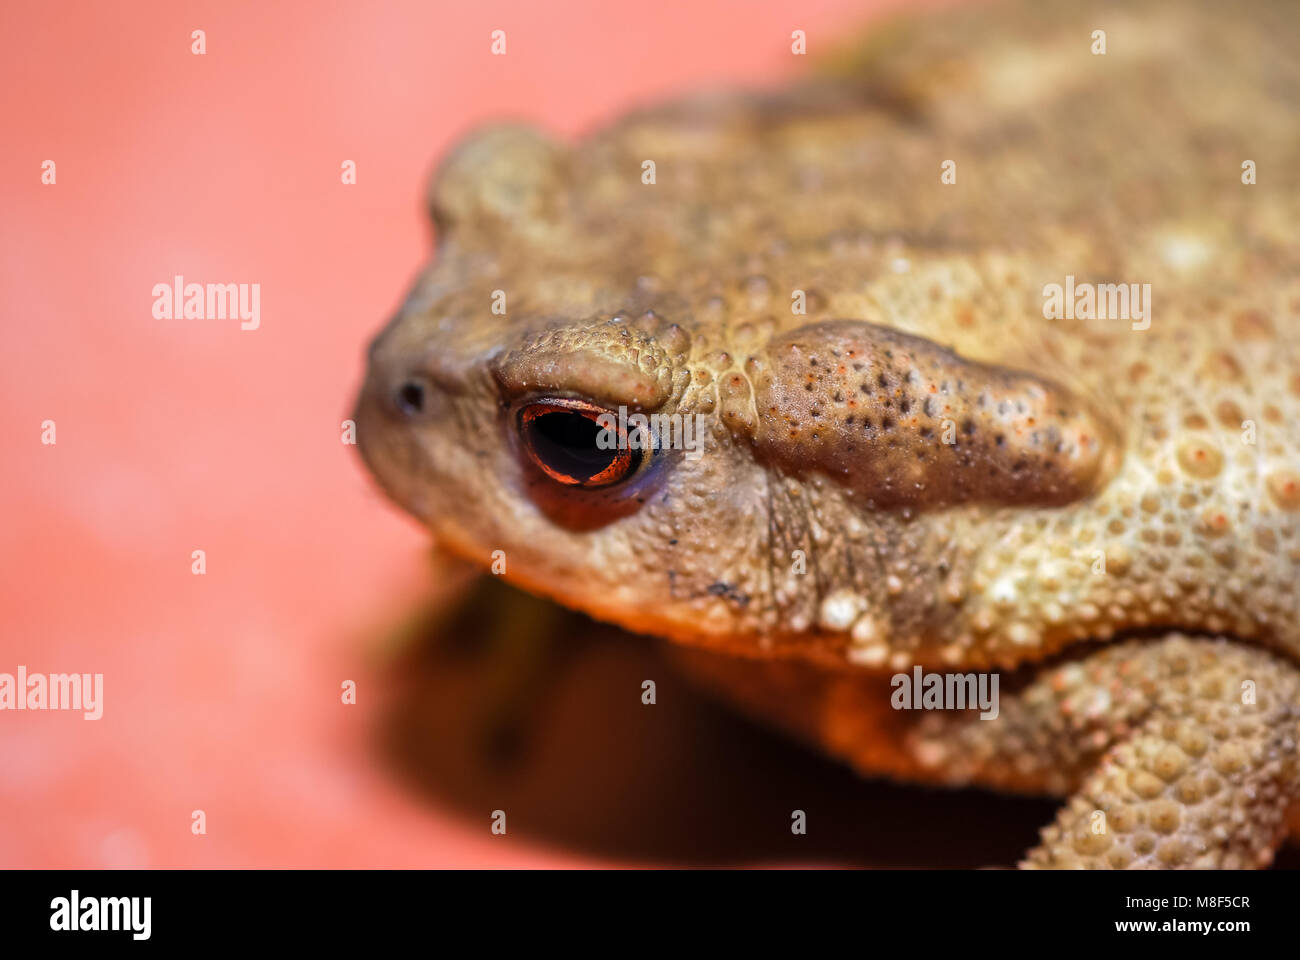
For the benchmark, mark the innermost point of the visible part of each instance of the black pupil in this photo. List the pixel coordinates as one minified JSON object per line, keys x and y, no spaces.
{"x":566,"y":442}
{"x":410,"y":397}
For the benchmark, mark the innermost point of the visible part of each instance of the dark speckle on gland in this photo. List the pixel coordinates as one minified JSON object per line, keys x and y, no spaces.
{"x":1000,"y":460}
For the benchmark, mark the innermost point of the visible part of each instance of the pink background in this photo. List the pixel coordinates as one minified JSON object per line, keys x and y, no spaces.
{"x":222,"y":691}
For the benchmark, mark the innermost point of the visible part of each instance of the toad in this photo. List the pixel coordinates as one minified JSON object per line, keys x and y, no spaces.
{"x":912,"y":456}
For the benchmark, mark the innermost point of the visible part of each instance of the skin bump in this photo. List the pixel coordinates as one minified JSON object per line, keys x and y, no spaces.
{"x":906,"y":422}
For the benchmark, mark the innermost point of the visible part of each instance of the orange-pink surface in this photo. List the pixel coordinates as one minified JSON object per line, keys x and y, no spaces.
{"x":222,"y":690}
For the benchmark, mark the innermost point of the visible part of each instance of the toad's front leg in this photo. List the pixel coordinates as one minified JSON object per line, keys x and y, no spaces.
{"x":1176,"y":752}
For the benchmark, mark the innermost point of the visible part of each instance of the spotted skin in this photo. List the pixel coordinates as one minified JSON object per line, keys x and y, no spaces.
{"x":908,"y":458}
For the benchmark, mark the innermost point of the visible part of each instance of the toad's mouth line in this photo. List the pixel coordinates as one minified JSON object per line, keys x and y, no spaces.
{"x":820,"y":649}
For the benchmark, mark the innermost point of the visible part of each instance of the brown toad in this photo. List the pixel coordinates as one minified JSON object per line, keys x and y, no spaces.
{"x":990,"y":341}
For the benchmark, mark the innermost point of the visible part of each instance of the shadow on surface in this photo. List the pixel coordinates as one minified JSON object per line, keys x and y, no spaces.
{"x":511,"y":703}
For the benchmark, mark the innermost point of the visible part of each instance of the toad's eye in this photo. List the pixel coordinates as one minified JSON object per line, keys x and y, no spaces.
{"x":578,"y":444}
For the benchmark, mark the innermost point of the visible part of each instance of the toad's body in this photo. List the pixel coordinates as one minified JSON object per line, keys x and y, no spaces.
{"x":911,"y":456}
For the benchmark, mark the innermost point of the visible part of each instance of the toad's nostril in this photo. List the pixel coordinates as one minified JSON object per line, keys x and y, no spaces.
{"x":410,"y":397}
